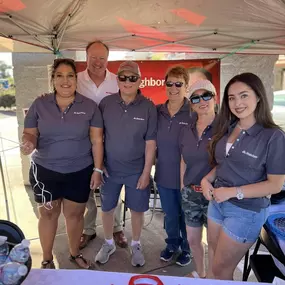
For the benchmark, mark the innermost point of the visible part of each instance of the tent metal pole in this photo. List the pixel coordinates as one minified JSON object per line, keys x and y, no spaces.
{"x":164,"y":44}
{"x":234,"y":37}
{"x":3,"y":181}
{"x":277,"y":44}
{"x":37,"y":35}
{"x":5,"y":36}
{"x":153,"y":39}
{"x":192,"y":38}
{"x":59,"y":26}
{"x":26,"y":31}
{"x":63,"y":31}
{"x":119,"y":38}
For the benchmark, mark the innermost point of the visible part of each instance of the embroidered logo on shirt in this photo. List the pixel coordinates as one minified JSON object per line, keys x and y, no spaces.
{"x":249,"y":154}
{"x":138,"y":119}
{"x":79,"y":113}
{"x":183,"y":123}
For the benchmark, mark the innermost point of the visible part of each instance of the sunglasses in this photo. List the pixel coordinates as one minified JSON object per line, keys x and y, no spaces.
{"x":132,"y":78}
{"x":177,"y":84}
{"x":207,"y":96}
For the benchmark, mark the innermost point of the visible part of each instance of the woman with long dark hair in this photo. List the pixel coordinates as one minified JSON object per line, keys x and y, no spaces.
{"x":248,"y":152}
{"x":62,"y":130}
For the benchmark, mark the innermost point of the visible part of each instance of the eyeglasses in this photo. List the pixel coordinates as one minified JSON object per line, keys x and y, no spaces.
{"x":177,"y":84}
{"x":131,"y":78}
{"x":207,"y":96}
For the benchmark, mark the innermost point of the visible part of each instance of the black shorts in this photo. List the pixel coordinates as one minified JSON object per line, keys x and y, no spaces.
{"x":49,"y":185}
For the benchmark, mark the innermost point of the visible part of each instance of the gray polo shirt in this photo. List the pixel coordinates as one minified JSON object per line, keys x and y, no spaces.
{"x":167,"y":171}
{"x":194,"y":151}
{"x":126,"y":130}
{"x":63,"y":144}
{"x":257,"y":152}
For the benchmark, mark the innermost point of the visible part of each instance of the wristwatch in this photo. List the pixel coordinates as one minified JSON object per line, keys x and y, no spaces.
{"x":240,"y":194}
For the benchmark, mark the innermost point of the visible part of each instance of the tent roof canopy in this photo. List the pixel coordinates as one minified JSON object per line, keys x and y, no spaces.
{"x":221,"y":26}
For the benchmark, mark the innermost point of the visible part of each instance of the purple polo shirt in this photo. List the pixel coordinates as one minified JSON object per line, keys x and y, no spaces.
{"x":63,"y":144}
{"x":256,"y":152}
{"x":126,"y":130}
{"x":167,"y":170}
{"x":194,"y":151}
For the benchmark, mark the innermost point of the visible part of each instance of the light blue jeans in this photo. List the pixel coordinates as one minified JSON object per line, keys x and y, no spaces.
{"x":239,"y":224}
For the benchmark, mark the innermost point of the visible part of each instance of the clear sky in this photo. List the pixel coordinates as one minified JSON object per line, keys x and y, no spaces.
{"x":6,"y":57}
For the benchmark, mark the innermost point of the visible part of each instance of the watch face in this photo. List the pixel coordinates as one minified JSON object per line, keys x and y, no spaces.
{"x":240,"y":196}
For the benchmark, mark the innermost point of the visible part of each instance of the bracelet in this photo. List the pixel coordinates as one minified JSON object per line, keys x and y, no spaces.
{"x":98,"y":170}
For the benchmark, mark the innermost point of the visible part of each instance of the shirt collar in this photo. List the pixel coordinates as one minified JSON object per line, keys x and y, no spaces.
{"x":195,"y":119}
{"x":138,"y":99}
{"x":87,"y":77}
{"x":184,"y":108}
{"x":78,"y":98}
{"x":252,"y":131}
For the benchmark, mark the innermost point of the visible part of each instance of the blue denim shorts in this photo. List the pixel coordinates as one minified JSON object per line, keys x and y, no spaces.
{"x":135,"y":199}
{"x":239,"y":224}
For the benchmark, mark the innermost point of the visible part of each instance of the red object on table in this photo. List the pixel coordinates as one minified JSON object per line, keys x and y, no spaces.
{"x":142,"y":279}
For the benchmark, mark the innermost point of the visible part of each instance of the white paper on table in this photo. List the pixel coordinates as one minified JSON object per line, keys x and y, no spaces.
{"x":278,"y":281}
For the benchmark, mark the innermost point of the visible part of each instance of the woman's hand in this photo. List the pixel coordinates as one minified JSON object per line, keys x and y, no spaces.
{"x":96,"y":180}
{"x":223,"y":194}
{"x":27,"y":147}
{"x":207,"y":189}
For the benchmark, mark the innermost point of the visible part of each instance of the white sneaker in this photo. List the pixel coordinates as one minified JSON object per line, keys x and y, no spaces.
{"x":104,"y":253}
{"x":137,"y":255}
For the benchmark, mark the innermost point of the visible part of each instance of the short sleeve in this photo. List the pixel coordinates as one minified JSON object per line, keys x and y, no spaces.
{"x":31,"y":119}
{"x":152,"y":124}
{"x":275,"y":161}
{"x":102,"y":105}
{"x":96,"y":120}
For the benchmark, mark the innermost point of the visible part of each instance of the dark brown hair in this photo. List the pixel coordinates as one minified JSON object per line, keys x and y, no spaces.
{"x":202,"y":70}
{"x":59,"y":61}
{"x":178,"y":71}
{"x":226,"y":117}
{"x":97,"y":42}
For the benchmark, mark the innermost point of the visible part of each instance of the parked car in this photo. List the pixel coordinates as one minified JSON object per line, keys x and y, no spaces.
{"x":278,"y":110}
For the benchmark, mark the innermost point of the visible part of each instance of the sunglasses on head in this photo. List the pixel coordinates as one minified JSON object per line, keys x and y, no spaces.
{"x":131,"y":78}
{"x":195,"y":99}
{"x":177,"y":84}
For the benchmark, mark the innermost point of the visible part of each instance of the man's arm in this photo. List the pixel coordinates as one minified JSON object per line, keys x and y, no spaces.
{"x":150,"y":148}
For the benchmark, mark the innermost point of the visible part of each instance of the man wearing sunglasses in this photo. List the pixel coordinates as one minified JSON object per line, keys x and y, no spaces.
{"x":97,"y":82}
{"x":130,"y":125}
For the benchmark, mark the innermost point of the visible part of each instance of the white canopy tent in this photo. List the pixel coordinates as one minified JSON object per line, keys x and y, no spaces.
{"x":220,"y":26}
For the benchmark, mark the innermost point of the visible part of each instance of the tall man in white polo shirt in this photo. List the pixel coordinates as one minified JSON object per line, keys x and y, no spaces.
{"x":97,"y":82}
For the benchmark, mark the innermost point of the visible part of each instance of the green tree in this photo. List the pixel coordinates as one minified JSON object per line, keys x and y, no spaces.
{"x":4,"y":69}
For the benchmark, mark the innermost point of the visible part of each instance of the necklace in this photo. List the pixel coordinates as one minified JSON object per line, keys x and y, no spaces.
{"x":239,"y":127}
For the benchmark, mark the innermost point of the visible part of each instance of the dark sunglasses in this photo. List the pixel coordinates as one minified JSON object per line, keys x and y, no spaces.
{"x":207,"y":96}
{"x":177,"y":84}
{"x":132,"y":78}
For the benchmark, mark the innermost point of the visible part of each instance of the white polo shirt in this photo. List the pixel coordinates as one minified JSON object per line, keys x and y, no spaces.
{"x":88,"y":88}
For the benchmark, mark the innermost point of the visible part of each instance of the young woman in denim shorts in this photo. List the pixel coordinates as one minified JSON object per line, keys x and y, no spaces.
{"x":194,"y":140}
{"x":248,"y":150}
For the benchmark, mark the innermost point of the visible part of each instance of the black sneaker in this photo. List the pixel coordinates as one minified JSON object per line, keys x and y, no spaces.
{"x":167,"y":255}
{"x":184,"y":258}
